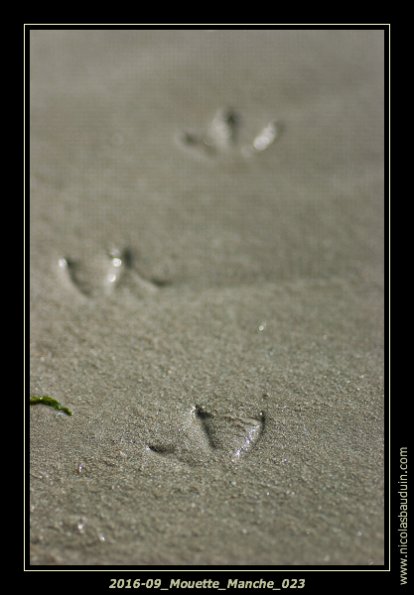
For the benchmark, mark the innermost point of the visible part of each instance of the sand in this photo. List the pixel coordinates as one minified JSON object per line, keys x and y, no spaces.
{"x":211,"y":313}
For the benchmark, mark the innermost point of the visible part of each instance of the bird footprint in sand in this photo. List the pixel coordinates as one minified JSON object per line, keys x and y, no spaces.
{"x":223,"y":135}
{"x":224,"y":437}
{"x":107,"y":272}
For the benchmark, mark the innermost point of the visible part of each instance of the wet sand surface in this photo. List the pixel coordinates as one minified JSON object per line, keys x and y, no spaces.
{"x":206,"y":256}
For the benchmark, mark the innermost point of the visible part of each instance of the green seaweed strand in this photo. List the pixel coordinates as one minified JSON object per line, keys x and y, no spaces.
{"x":49,"y":402}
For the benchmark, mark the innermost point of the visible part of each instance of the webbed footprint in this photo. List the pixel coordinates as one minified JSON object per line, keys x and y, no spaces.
{"x":206,"y":435}
{"x":225,"y":134}
{"x":230,"y":434}
{"x":107,"y":272}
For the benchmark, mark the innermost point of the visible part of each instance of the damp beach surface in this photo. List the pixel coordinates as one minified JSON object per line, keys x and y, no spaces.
{"x":206,"y":298}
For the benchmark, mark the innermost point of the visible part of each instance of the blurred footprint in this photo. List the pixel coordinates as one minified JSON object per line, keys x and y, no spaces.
{"x":224,"y":135}
{"x":106,"y":273}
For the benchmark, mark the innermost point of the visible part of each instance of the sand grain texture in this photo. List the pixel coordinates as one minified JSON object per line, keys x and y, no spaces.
{"x":214,"y":319}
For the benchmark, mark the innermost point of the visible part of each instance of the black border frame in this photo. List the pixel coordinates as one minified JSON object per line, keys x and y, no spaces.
{"x":350,"y":576}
